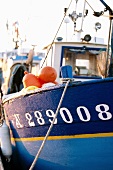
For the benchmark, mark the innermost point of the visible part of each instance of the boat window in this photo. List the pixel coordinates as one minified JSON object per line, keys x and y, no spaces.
{"x":81,"y":66}
{"x":85,"y":62}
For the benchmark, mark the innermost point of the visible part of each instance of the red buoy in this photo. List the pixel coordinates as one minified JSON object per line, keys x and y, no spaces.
{"x":31,"y":80}
{"x":47,"y":74}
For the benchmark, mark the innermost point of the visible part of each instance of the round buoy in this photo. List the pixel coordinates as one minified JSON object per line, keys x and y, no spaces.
{"x":47,"y":74}
{"x":30,"y":79}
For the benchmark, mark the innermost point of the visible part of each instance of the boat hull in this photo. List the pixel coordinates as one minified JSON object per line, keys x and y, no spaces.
{"x":69,"y":154}
{"x":82,"y":134}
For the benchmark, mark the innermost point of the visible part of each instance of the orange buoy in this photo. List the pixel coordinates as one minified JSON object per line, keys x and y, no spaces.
{"x":47,"y":74}
{"x":30,"y":79}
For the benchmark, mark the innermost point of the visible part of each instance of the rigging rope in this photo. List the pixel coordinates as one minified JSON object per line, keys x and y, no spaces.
{"x":56,"y":34}
{"x":50,"y":128}
{"x":89,"y":5}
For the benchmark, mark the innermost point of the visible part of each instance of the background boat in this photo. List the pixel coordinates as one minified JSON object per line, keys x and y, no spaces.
{"x":14,"y":63}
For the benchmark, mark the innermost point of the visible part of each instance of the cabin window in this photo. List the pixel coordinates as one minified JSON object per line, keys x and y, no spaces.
{"x":81,"y":66}
{"x":85,"y":62}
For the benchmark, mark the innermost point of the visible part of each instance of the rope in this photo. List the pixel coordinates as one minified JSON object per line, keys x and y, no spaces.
{"x":89,"y":5}
{"x":56,"y":34}
{"x":50,"y":128}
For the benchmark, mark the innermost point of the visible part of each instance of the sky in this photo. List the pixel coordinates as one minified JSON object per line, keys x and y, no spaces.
{"x":39,"y":20}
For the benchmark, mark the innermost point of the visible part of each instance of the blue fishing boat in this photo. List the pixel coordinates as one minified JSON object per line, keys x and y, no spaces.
{"x":68,"y":125}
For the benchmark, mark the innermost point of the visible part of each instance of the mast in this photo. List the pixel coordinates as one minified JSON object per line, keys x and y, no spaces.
{"x":110,"y":72}
{"x":110,"y":36}
{"x":83,"y":16}
{"x":74,"y":16}
{"x":16,"y":34}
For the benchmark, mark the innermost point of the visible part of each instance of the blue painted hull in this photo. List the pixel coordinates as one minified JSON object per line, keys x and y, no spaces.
{"x":91,"y":153}
{"x":82,"y":136}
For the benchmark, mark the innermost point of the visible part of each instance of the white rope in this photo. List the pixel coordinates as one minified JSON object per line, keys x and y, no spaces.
{"x":50,"y":128}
